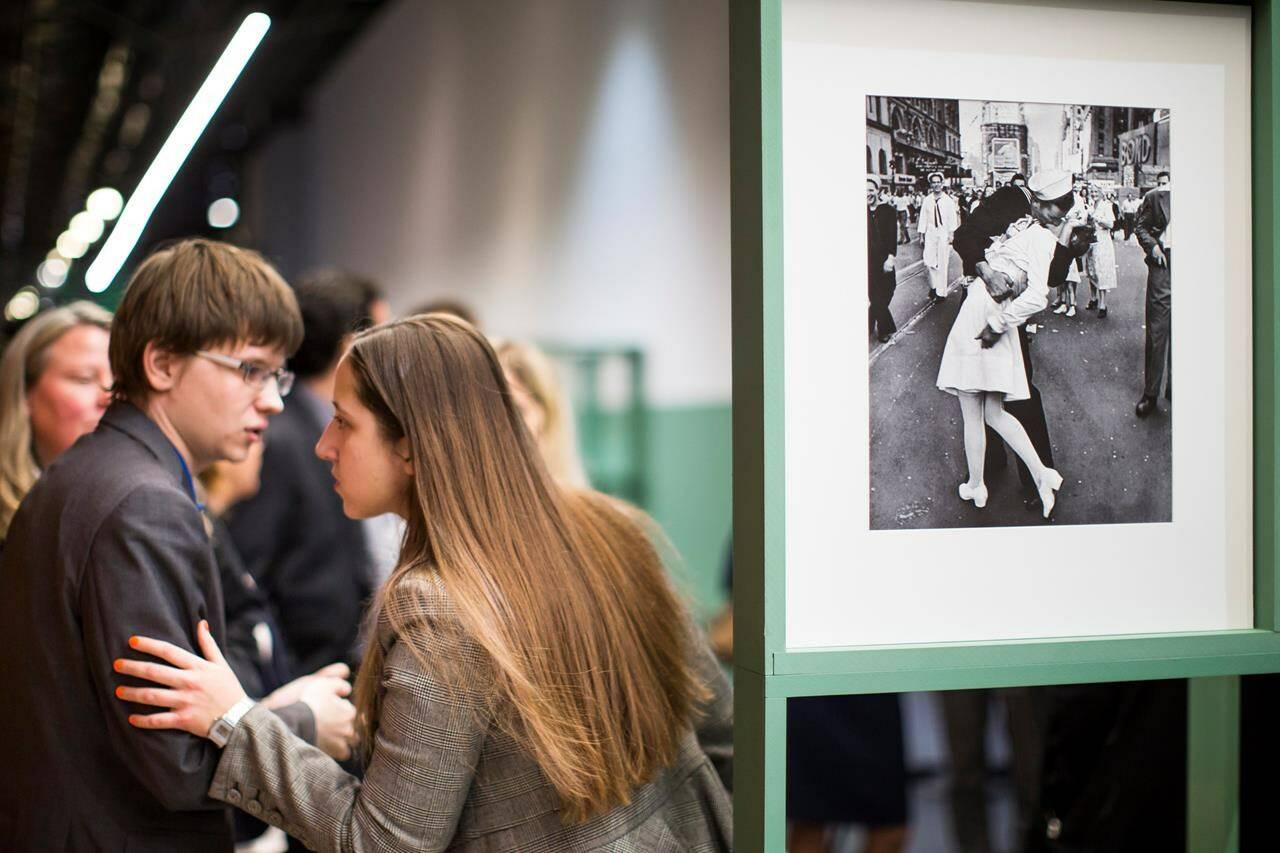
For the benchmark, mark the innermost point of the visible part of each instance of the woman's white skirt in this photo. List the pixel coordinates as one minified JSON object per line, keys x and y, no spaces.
{"x":1100,"y":262}
{"x":967,"y":366}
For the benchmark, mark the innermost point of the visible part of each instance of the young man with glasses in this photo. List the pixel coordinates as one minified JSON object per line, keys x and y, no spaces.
{"x":111,"y":542}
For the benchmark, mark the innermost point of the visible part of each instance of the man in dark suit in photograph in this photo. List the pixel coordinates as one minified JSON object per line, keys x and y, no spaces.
{"x":110,"y":543}
{"x":312,"y":562}
{"x":1156,"y":238}
{"x":1047,"y":197}
{"x":882,"y":250}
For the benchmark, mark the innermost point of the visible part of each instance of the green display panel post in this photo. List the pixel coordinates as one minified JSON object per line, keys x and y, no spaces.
{"x":767,"y":673}
{"x":1213,"y":763}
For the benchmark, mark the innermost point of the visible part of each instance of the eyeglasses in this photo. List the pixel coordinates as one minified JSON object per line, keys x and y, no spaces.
{"x":254,"y":375}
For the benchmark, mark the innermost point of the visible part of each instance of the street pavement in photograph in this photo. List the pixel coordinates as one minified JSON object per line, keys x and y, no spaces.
{"x":1115,"y":466}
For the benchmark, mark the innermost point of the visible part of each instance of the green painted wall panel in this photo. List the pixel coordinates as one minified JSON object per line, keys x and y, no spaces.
{"x":689,"y":493}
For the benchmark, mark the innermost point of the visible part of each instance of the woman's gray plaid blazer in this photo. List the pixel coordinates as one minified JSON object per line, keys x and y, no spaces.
{"x":442,"y":778}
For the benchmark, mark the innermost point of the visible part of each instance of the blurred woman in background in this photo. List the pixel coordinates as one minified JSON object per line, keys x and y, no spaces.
{"x":55,"y":383}
{"x":537,"y":392}
{"x":253,"y":642}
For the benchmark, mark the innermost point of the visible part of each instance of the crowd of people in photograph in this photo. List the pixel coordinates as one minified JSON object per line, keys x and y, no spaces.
{"x":1025,"y":248}
{"x":934,"y":217}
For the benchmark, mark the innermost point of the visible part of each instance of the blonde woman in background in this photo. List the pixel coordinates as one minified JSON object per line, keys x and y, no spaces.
{"x":55,"y":383}
{"x":254,"y":649}
{"x":545,"y":407}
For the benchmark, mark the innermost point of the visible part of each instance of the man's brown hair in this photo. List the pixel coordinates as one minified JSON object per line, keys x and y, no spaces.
{"x":196,"y":294}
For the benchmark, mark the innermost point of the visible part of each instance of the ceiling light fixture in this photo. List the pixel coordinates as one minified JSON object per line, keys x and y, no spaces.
{"x":137,"y":212}
{"x":224,"y":213}
{"x":70,"y":246}
{"x":52,"y":273}
{"x":24,"y":304}
{"x":86,"y":226}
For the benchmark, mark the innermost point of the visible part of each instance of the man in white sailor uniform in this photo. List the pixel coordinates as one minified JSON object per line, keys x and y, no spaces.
{"x":939,"y":219}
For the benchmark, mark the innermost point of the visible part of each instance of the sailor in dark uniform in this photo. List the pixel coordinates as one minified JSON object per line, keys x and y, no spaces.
{"x":882,"y":249}
{"x":1048,"y":194}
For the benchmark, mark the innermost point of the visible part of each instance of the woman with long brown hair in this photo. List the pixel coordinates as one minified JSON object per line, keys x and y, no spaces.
{"x":531,"y":682}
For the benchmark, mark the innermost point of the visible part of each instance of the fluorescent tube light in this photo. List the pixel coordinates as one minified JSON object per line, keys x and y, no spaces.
{"x":137,"y":212}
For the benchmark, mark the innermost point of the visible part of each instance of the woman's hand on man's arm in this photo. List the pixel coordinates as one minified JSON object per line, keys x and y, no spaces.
{"x":197,"y":691}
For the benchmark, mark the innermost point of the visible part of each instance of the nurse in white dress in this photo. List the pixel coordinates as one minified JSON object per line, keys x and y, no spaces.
{"x":1101,"y":260}
{"x":939,"y":219}
{"x":982,"y":360}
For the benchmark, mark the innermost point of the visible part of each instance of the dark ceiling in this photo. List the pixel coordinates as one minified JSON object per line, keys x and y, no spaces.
{"x":92,"y":89}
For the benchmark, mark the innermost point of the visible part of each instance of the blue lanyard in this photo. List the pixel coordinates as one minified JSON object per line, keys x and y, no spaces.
{"x":187,"y":479}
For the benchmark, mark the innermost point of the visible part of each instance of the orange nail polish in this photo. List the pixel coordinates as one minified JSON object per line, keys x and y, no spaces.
{"x":119,"y":692}
{"x":119,"y":665}
{"x":133,"y":720}
{"x":133,"y":642}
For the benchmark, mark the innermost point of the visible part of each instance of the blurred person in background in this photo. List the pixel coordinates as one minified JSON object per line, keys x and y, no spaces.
{"x":846,"y":764}
{"x":535,"y":682}
{"x":1114,"y":772}
{"x":846,"y":758}
{"x":545,"y":407}
{"x":55,"y":384}
{"x":312,"y":562}
{"x":965,"y":714}
{"x":253,"y":647}
{"x":448,"y":305}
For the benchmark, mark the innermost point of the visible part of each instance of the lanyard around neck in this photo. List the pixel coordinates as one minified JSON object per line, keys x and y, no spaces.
{"x":188,"y":481}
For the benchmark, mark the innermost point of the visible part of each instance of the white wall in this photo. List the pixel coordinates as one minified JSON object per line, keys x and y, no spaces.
{"x":561,"y":165}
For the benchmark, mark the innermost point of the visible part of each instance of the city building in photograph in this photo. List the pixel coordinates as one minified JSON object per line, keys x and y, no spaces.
{"x":879,"y":139}
{"x":926,"y":137}
{"x":1004,"y":141}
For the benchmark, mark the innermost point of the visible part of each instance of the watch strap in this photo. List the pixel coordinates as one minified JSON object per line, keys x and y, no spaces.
{"x":220,"y":731}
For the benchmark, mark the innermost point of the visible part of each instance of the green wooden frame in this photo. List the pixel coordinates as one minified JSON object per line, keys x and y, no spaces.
{"x":766,"y":673}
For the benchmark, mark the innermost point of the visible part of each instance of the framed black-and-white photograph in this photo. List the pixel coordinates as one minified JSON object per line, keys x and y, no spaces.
{"x":1020,"y":254}
{"x":994,"y":201}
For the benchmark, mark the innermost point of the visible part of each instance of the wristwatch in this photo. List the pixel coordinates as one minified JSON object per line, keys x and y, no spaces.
{"x":220,"y":731}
